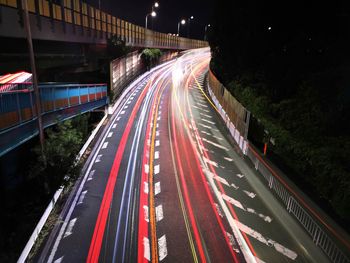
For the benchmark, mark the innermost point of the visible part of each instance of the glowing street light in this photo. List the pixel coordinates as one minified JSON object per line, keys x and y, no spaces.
{"x":182,"y":22}
{"x":153,"y":14}
{"x":156,"y":4}
{"x":189,"y":23}
{"x":205,"y":31}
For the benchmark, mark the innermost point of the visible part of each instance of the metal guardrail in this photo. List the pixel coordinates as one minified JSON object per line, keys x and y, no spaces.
{"x":335,"y":246}
{"x":322,"y":234}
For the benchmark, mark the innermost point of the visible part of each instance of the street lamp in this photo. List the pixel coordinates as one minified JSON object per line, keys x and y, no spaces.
{"x":189,"y":23}
{"x":153,"y":14}
{"x":205,"y":31}
{"x":182,"y":22}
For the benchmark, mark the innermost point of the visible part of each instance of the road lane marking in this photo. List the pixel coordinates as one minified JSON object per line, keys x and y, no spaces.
{"x":91,"y":175}
{"x":163,"y":251}
{"x":98,"y":159}
{"x":70,"y":227}
{"x":104,"y":146}
{"x":147,"y":249}
{"x":238,"y":204}
{"x":156,"y":155}
{"x":157,"y":143}
{"x":146,"y":168}
{"x":269,"y":242}
{"x":215,"y":144}
{"x":110,"y":135}
{"x":114,"y":125}
{"x":210,"y":122}
{"x":228,"y":159}
{"x":206,"y":115}
{"x":157,"y":188}
{"x":118,"y":118}
{"x":59,"y":260}
{"x":145,"y":213}
{"x":194,"y":106}
{"x":159,"y":213}
{"x":250,"y":194}
{"x":240,"y":175}
{"x":145,"y":187}
{"x":157,"y":133}
{"x":208,"y":127}
{"x":210,"y":162}
{"x":201,"y":104}
{"x":82,"y":196}
{"x":156,"y":169}
{"x":126,"y":106}
{"x":129,"y":102}
{"x":233,"y":243}
{"x":234,"y":186}
{"x":122,"y":112}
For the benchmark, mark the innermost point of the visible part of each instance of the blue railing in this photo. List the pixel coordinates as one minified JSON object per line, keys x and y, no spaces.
{"x":58,"y":102}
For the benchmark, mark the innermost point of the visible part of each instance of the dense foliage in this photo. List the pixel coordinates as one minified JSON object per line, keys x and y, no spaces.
{"x":289,"y":64}
{"x":58,"y":165}
{"x":150,"y":56}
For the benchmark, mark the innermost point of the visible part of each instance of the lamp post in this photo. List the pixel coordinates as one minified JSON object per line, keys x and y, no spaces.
{"x":35,"y":80}
{"x":182,"y":22}
{"x":153,"y":14}
{"x":189,"y":24}
{"x":205,"y":31}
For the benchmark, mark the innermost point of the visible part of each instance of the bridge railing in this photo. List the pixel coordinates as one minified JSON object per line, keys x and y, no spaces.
{"x":329,"y":237}
{"x":18,"y":106}
{"x":95,"y":22}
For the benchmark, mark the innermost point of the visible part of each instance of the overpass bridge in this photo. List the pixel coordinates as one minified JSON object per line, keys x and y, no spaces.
{"x":77,"y":21}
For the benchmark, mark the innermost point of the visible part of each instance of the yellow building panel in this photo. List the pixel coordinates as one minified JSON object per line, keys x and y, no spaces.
{"x":46,"y":8}
{"x":31,"y":6}
{"x":77,"y":18}
{"x":68,"y":15}
{"x":57,"y":13}
{"x":67,"y":4}
{"x":77,"y":5}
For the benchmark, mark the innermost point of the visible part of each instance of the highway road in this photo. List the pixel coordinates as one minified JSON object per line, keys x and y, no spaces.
{"x":165,"y":182}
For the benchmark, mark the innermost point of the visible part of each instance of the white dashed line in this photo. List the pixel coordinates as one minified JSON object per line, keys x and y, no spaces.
{"x":98,"y":158}
{"x":59,"y":260}
{"x":91,"y":175}
{"x":110,"y":135}
{"x":157,"y":188}
{"x":104,"y":146}
{"x":215,"y":144}
{"x":240,"y":175}
{"x":122,"y":112}
{"x":82,"y":196}
{"x":114,"y":126}
{"x":210,"y":122}
{"x":157,"y":143}
{"x":156,"y":155}
{"x":118,"y":118}
{"x":228,"y":159}
{"x":145,"y":188}
{"x":146,"y":251}
{"x":70,"y":227}
{"x":159,"y":213}
{"x":157,"y":133}
{"x":145,"y":213}
{"x":156,"y":169}
{"x":146,"y":168}
{"x":162,"y":248}
{"x":250,"y":194}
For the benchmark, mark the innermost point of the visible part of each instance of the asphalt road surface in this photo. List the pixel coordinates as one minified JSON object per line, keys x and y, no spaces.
{"x":166,"y":183}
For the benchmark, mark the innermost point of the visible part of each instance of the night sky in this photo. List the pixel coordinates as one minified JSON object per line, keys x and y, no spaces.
{"x":168,"y":14}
